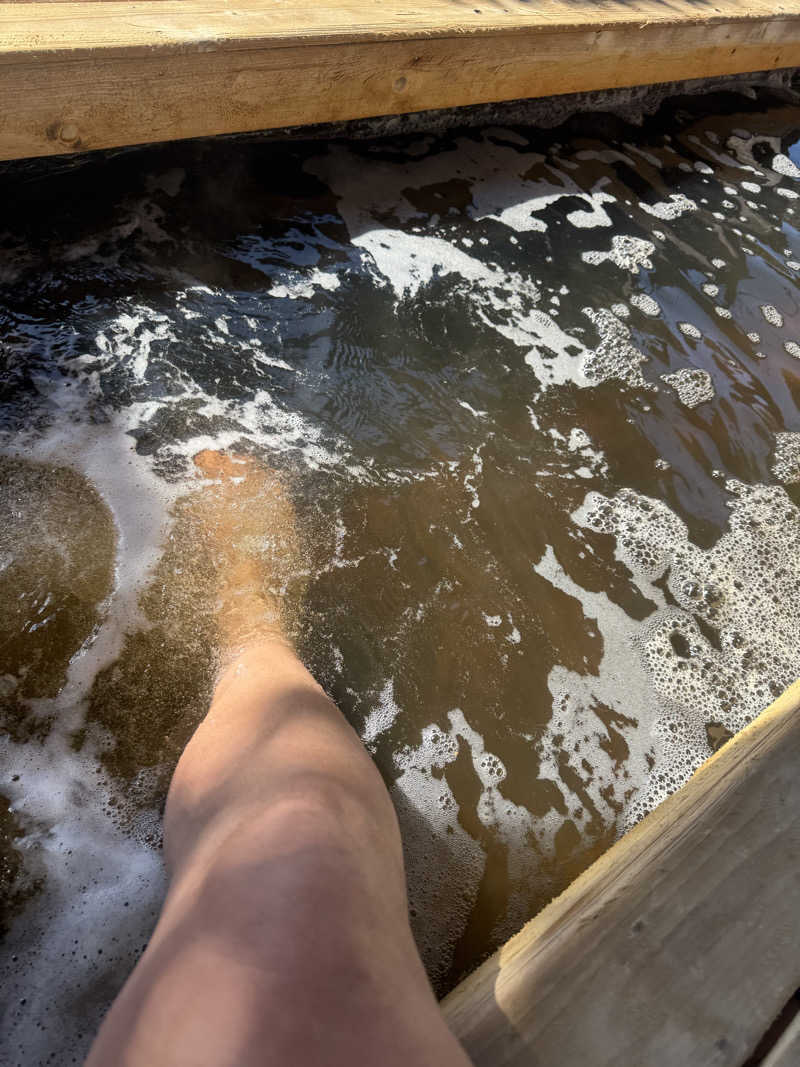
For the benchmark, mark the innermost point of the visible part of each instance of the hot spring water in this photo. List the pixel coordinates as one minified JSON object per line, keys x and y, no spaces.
{"x":535,"y":396}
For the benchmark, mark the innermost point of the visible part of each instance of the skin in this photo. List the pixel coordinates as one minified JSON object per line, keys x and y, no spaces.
{"x":284,"y":936}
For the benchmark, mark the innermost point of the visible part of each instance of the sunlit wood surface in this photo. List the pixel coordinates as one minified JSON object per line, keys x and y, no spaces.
{"x":679,"y":946}
{"x":78,"y":76}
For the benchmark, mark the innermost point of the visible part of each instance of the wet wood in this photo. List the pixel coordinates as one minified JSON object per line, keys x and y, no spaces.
{"x":679,"y":946}
{"x":78,"y":76}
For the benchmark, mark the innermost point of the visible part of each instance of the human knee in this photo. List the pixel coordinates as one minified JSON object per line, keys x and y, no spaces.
{"x":321,"y":809}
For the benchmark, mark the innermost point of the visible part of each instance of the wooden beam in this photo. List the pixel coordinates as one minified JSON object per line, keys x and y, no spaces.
{"x":78,"y":76}
{"x":679,"y":946}
{"x":786,"y":1052}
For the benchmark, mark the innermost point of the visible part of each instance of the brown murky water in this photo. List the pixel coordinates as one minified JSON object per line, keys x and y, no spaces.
{"x":535,"y":397}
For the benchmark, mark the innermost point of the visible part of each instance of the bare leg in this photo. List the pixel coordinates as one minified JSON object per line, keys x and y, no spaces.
{"x":284,"y":937}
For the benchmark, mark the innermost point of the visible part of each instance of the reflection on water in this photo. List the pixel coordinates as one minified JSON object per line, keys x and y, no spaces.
{"x":536,"y":399}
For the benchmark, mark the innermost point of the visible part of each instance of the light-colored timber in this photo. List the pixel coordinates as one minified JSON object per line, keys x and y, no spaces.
{"x":679,"y":946}
{"x":786,"y":1052}
{"x":79,"y":76}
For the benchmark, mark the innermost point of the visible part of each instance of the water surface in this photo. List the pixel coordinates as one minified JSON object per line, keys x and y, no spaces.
{"x":535,"y":397}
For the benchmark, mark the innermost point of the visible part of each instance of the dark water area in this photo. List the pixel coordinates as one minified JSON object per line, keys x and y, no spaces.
{"x":535,"y":398}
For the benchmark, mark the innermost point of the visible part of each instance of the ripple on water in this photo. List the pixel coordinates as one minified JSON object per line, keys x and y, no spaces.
{"x":541,"y":587}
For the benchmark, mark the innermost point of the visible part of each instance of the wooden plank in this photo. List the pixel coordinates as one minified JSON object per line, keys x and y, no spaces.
{"x":78,"y":76}
{"x":786,"y":1052}
{"x":679,"y":946}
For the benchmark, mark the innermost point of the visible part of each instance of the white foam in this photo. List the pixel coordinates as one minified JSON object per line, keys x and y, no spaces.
{"x":674,"y":207}
{"x":616,"y":356}
{"x":646,"y":304}
{"x":579,"y":443}
{"x":772,"y":315}
{"x":693,"y":386}
{"x":689,"y":329}
{"x":444,"y":864}
{"x":60,"y":797}
{"x":745,"y":587}
{"x":472,"y":410}
{"x":381,"y":716}
{"x":786,"y":465}
{"x":628,"y":253}
{"x":576,"y":735}
{"x":781,"y":164}
{"x":304,"y":288}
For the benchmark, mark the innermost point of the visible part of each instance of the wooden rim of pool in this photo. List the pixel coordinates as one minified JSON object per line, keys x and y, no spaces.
{"x":679,"y":945}
{"x":81,"y":76}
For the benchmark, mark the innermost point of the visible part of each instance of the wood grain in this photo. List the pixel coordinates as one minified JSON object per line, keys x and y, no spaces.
{"x":119,"y":24}
{"x":78,"y":76}
{"x":679,"y":946}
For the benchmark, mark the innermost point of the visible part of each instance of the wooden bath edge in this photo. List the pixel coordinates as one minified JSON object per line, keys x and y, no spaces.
{"x":105,"y":73}
{"x":679,"y":945}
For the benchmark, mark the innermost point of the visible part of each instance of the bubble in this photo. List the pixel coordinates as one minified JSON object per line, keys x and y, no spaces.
{"x":381,"y":716}
{"x":678,"y":204}
{"x":692,"y":385}
{"x":689,"y":330}
{"x":745,"y":590}
{"x":781,"y":164}
{"x":616,"y":356}
{"x":646,"y":304}
{"x":786,"y":465}
{"x":772,"y":315}
{"x":627,"y":253}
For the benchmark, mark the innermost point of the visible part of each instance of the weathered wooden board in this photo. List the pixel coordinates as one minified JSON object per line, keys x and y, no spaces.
{"x":679,"y":946}
{"x":786,"y":1052}
{"x":77,"y":76}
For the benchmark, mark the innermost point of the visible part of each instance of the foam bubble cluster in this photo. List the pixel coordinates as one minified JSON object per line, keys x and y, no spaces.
{"x":646,"y":304}
{"x":786,"y":465}
{"x":772,"y":315}
{"x":689,"y":330}
{"x":673,"y":208}
{"x":615,"y":356}
{"x":729,"y":646}
{"x":627,"y":253}
{"x":693,"y":386}
{"x":783,"y":165}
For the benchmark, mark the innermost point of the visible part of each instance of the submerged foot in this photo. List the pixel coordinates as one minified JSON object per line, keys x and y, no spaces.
{"x":244,"y":522}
